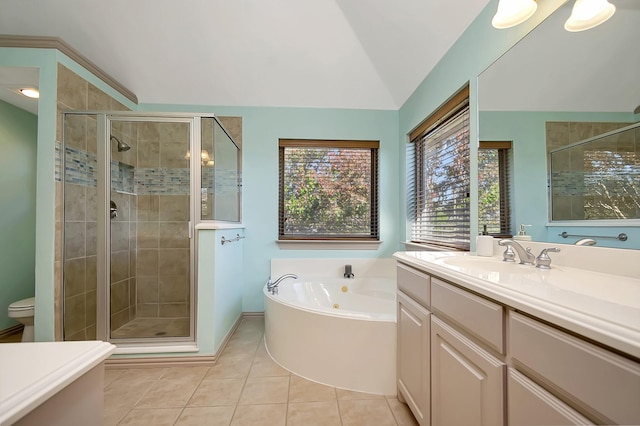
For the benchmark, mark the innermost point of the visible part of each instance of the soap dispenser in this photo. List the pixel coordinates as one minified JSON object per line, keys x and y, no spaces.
{"x":522,"y":235}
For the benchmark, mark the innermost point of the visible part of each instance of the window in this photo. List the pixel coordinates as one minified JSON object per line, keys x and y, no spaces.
{"x":494,"y":160}
{"x":439,"y":176}
{"x":328,"y":190}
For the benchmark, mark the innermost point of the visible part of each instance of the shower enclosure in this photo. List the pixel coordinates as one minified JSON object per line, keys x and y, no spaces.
{"x":133,"y":193}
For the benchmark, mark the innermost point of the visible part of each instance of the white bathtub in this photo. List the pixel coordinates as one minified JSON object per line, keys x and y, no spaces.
{"x":335,"y":331}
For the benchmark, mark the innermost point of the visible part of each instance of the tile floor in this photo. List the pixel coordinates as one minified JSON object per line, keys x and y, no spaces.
{"x":244,"y":387}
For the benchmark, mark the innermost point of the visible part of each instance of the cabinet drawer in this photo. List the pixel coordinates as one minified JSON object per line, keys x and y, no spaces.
{"x":414,"y":283}
{"x":599,"y":383}
{"x":481,"y":317}
{"x":530,"y":405}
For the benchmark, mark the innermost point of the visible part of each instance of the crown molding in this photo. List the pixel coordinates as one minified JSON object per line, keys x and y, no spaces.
{"x":38,"y":42}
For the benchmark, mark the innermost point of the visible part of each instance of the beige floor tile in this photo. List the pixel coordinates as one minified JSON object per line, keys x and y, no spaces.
{"x":347,"y":394}
{"x":209,"y":416}
{"x":366,"y":412}
{"x":402,"y":413}
{"x":151,"y":416}
{"x":323,"y":413}
{"x":265,"y":390}
{"x":125,"y":394}
{"x":264,"y":366}
{"x":169,"y":394}
{"x":229,"y":366}
{"x":303,"y":390}
{"x":260,"y":415}
{"x":185,"y":373}
{"x":216,"y":392}
{"x":112,"y":416}
{"x":142,"y":374}
{"x":111,"y":375}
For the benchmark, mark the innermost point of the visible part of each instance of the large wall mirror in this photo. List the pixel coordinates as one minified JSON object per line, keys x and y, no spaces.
{"x":555,"y":89}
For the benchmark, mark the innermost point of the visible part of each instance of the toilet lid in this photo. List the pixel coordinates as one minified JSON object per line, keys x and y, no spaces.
{"x":23,"y":305}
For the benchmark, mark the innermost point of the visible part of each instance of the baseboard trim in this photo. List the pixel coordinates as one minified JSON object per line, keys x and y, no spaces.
{"x":179,"y":361}
{"x":11,"y":330}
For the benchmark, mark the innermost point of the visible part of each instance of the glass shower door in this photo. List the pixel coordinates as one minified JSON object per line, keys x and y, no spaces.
{"x":150,"y":213}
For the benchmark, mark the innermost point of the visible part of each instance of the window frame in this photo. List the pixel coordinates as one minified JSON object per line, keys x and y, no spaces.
{"x":505,"y":162}
{"x":373,"y":147}
{"x":416,"y":198}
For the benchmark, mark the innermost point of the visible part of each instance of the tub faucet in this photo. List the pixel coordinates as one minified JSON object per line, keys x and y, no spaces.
{"x":525,"y":255}
{"x":586,"y":242}
{"x":273,"y":286}
{"x":348,"y":273}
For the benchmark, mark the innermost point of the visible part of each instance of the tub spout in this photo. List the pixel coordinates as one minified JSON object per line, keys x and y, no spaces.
{"x":272,"y":286}
{"x":348,"y":273}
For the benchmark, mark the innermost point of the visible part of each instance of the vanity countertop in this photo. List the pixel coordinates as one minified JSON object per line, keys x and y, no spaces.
{"x":600,"y":306}
{"x":31,"y":373}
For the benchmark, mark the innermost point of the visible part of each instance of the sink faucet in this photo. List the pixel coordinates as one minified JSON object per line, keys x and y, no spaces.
{"x":525,"y":255}
{"x":273,"y":286}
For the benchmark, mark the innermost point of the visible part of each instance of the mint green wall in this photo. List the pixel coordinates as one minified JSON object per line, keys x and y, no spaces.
{"x":262,"y":127}
{"x":475,"y":50}
{"x":45,"y":61}
{"x":530,"y":201}
{"x":18,"y":141}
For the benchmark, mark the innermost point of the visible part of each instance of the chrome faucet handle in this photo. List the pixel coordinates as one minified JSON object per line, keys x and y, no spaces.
{"x":543,"y":261}
{"x":509,"y":254}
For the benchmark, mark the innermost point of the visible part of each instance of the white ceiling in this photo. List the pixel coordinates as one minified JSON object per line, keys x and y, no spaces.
{"x":368,"y":54}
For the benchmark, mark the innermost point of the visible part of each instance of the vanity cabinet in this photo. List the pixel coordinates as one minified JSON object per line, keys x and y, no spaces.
{"x":531,"y":405}
{"x":466,"y":382}
{"x":598,"y":383}
{"x":493,"y":361}
{"x":414,"y":343}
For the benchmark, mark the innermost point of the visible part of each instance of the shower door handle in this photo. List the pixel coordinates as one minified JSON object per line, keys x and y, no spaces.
{"x":190,"y":230}
{"x":113,"y":210}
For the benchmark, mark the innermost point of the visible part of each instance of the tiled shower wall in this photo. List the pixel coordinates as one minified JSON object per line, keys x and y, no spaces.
{"x":79,"y":236}
{"x":568,"y":199}
{"x":163,"y":245}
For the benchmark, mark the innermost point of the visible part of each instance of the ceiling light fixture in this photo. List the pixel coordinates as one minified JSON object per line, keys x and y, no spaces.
{"x":513,"y":12}
{"x":587,"y":14}
{"x":30,"y":92}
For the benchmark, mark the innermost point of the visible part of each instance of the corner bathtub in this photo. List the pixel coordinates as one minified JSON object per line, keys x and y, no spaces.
{"x":338,"y":332}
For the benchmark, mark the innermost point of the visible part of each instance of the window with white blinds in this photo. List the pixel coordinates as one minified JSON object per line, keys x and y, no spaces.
{"x":494,"y":187}
{"x":328,"y":190}
{"x":438,"y":165}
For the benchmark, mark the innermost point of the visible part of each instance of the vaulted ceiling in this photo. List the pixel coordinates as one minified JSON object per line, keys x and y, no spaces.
{"x":368,"y":54}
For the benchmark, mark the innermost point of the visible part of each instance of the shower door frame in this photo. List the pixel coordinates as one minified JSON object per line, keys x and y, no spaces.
{"x":103,"y":222}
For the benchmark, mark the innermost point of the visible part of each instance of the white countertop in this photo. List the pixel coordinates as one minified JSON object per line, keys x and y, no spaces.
{"x":31,"y":373}
{"x":603,"y":307}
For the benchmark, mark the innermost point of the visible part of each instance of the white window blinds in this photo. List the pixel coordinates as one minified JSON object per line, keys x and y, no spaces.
{"x":438,"y":166}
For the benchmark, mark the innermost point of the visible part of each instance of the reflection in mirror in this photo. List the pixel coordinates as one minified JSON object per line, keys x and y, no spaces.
{"x":598,"y":178}
{"x":555,"y":88}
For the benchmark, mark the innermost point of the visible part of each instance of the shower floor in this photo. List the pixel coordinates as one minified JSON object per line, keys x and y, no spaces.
{"x":153,"y":327}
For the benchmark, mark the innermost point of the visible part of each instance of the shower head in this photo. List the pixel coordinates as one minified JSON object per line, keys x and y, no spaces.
{"x":121,"y":145}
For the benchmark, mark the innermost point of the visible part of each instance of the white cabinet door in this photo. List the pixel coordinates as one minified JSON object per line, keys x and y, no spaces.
{"x":531,"y":405}
{"x":413,"y":357}
{"x":466,"y":381}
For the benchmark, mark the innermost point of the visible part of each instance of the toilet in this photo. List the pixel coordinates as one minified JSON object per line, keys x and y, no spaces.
{"x":22,"y":311}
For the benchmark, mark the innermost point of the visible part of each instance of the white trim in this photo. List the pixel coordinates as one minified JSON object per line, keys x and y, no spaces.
{"x":327,"y":245}
{"x":142,"y":349}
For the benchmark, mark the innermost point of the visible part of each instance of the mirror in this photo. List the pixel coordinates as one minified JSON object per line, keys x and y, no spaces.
{"x":554,"y":76}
